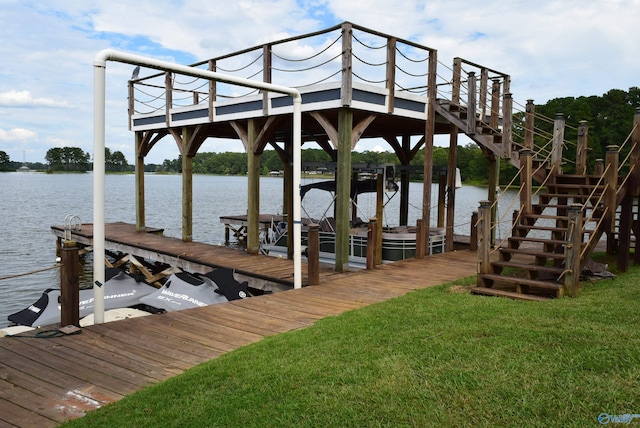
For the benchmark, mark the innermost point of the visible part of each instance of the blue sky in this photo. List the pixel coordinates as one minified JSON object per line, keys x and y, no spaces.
{"x":551,"y":49}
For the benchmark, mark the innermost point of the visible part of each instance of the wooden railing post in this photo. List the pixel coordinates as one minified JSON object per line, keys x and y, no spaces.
{"x":473,"y":241}
{"x":572,"y":252}
{"x":420,"y":238}
{"x":457,"y":78}
{"x":484,"y":240}
{"x":391,"y":73}
{"x":347,"y":63}
{"x":471,"y":103}
{"x":611,"y":195}
{"x":313,"y":254}
{"x":582,"y":147}
{"x":529,"y":124}
{"x":507,"y":121}
{"x":372,"y":243}
{"x":168,"y":84}
{"x":494,"y":121}
{"x":213,"y":90}
{"x":558,"y":141}
{"x":70,"y":284}
{"x":526,"y":165}
{"x":599,"y":167}
{"x":484,"y":81}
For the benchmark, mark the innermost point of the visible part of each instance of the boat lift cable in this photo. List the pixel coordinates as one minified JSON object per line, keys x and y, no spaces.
{"x":99,"y":125}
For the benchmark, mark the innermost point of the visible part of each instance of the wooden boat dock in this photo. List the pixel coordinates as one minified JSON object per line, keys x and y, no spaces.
{"x":45,"y":381}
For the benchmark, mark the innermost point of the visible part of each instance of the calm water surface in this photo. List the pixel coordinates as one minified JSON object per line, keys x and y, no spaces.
{"x":32,"y":202}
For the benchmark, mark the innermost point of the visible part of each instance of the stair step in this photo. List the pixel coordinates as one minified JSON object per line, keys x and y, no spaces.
{"x":507,"y":279}
{"x":532,"y":252}
{"x":574,"y":196}
{"x":540,"y":227}
{"x":537,"y":240}
{"x":545,"y":216}
{"x":579,"y":187}
{"x":508,"y":294}
{"x":529,"y":267}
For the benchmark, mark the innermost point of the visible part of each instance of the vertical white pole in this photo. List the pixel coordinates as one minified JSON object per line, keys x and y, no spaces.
{"x":98,"y":189}
{"x":297,"y":168}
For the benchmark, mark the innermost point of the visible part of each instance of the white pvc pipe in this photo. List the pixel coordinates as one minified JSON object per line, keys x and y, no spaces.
{"x":99,"y":65}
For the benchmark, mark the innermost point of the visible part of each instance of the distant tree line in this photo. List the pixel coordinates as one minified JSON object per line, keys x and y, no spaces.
{"x":68,"y":159}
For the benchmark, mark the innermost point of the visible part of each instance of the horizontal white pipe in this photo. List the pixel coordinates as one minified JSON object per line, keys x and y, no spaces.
{"x":99,"y":64}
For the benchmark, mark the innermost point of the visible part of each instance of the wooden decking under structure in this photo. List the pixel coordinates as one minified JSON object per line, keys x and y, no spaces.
{"x":46,"y":381}
{"x":192,"y":256}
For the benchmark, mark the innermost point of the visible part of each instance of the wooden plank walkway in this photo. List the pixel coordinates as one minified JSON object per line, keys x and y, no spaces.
{"x":46,"y":381}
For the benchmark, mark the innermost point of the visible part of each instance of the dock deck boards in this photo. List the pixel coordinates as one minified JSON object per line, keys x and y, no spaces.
{"x":46,"y":381}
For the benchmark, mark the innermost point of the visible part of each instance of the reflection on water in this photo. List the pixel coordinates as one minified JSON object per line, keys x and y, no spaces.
{"x":32,"y":202}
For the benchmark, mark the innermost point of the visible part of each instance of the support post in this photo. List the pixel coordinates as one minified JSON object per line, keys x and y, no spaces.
{"x":572,"y":252}
{"x":611,"y":195}
{"x":421,"y":237}
{"x":253,"y":197}
{"x":494,"y":120}
{"x":484,"y":241}
{"x":140,"y":206}
{"x":313,"y":254}
{"x":526,"y":167}
{"x":427,"y":172}
{"x":558,"y":141}
{"x":343,"y":187}
{"x":187,"y":188}
{"x":473,"y":233}
{"x":442,"y":189}
{"x":379,"y":215}
{"x":372,"y":243}
{"x":70,"y":284}
{"x":582,"y":147}
{"x":451,"y":187}
{"x":494,"y":166}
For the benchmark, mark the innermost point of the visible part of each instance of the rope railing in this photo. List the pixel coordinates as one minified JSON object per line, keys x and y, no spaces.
{"x":329,"y":46}
{"x":33,"y":272}
{"x":244,"y":67}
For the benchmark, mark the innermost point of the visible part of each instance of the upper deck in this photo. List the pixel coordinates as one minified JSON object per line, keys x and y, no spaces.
{"x":374,"y":74}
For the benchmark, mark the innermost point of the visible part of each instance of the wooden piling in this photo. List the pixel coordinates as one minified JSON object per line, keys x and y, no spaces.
{"x":473,"y":241}
{"x":70,"y":284}
{"x":313,"y":254}
{"x":372,"y":243}
{"x":573,"y":250}
{"x":420,"y":238}
{"x":484,"y":241}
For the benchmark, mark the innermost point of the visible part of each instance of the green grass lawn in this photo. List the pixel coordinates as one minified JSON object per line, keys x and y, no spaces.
{"x":431,"y":358}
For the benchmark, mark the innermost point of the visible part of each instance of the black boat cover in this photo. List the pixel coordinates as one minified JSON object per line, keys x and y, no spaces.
{"x":121,"y":290}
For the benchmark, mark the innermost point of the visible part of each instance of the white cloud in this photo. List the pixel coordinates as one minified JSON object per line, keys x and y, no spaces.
{"x":25,"y":99}
{"x":17,"y":134}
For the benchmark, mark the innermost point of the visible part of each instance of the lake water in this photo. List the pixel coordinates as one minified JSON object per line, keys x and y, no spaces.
{"x":32,"y":202}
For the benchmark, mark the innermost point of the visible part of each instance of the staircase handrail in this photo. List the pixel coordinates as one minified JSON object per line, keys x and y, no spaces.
{"x":592,"y":236}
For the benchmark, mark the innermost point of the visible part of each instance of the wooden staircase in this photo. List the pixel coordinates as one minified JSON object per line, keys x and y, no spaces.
{"x":533,"y":260}
{"x":553,"y":238}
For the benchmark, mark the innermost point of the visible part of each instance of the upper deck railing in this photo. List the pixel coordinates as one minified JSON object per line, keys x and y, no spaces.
{"x":345,"y":53}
